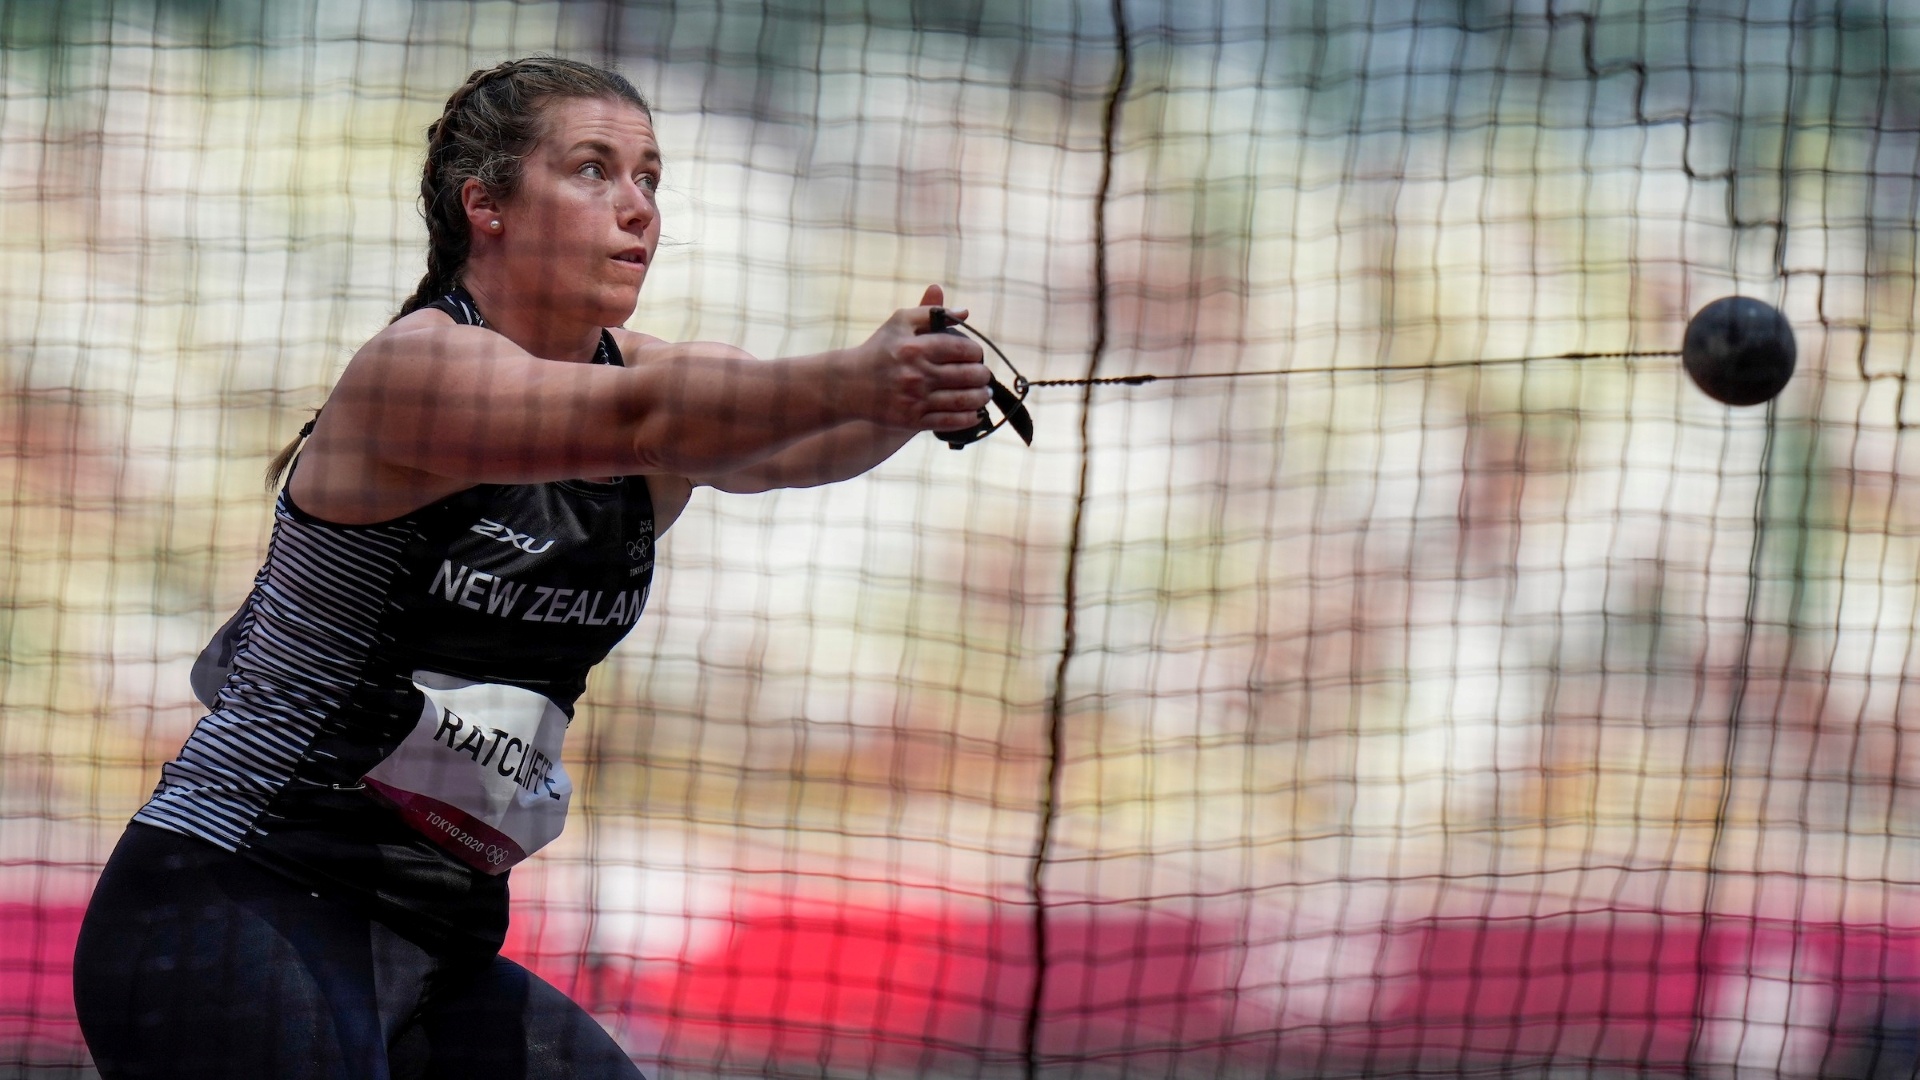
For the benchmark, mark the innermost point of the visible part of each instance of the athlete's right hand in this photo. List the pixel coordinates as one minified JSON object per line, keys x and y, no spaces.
{"x":906,"y":377}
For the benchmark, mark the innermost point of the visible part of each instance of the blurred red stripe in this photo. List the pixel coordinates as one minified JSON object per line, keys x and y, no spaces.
{"x":36,"y":974}
{"x":810,"y":981}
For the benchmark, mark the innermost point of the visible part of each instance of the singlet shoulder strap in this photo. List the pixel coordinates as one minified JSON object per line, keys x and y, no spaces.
{"x":459,"y":306}
{"x":609,"y":351}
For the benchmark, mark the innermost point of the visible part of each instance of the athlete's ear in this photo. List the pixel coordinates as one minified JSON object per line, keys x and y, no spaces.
{"x":483,"y":212}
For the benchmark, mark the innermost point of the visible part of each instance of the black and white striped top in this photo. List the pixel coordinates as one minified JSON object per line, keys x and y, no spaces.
{"x":301,"y":644}
{"x":311,"y":682}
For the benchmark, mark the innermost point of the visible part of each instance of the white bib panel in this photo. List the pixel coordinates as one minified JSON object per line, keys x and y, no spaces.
{"x":480,"y":772}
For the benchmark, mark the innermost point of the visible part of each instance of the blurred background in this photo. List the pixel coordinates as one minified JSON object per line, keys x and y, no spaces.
{"x":1410,"y":716}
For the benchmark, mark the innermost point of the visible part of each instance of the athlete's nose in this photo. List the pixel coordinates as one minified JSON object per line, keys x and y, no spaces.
{"x":635,"y":206}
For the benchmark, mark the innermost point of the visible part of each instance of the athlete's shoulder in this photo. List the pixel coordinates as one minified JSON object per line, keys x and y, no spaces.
{"x":412,"y":328}
{"x":426,"y":332}
{"x":417,"y":320}
{"x":638,"y":348}
{"x":633,"y":339}
{"x":635,"y":347}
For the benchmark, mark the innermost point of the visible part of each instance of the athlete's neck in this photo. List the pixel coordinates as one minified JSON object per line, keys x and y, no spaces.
{"x":534,"y":326}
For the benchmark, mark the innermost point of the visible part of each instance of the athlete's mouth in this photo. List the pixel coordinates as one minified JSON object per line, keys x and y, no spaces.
{"x":637,"y":257}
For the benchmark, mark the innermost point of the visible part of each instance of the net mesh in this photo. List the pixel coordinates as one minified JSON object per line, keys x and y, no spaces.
{"x":1415,"y":716}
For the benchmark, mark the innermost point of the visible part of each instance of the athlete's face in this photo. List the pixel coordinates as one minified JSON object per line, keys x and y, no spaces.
{"x":582,"y":228}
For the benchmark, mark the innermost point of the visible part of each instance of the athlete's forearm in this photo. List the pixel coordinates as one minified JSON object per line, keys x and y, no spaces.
{"x":827,"y":458}
{"x":711,"y":410}
{"x":696,"y":410}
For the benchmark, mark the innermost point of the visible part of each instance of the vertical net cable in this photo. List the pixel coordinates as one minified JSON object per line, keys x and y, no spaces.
{"x":1031,"y":1053}
{"x":1730,"y":761}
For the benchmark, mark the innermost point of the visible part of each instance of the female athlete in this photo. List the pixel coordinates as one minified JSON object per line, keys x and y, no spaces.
{"x":318,"y":885}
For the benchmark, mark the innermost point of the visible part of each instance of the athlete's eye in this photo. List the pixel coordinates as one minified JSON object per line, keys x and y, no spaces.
{"x":593,"y":171}
{"x":648,"y":182}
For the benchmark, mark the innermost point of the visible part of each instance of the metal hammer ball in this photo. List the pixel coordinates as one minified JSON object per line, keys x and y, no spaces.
{"x":1739,"y":351}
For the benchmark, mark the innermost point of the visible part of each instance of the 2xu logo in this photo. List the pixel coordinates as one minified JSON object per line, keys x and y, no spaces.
{"x":506,"y":535}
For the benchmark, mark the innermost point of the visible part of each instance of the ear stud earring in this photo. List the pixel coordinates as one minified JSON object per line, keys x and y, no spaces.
{"x":494,"y":224}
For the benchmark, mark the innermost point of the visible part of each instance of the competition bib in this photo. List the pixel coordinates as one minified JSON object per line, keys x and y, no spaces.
{"x":480,"y":772}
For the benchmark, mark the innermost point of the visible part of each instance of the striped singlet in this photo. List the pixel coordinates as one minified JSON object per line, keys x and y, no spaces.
{"x":312,"y":684}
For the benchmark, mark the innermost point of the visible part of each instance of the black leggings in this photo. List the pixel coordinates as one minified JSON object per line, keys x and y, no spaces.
{"x":193,"y":962}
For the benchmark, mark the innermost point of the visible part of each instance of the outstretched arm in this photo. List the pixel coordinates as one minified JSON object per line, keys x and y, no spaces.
{"x":828,"y":457}
{"x":428,"y":408}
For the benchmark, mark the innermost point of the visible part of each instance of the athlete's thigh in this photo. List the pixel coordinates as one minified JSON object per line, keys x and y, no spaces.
{"x":506,"y":1023}
{"x":191,"y":966}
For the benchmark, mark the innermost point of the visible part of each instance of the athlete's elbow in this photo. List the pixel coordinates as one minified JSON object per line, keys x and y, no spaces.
{"x":743,"y":482}
{"x":664,"y":445}
{"x":762,"y":477}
